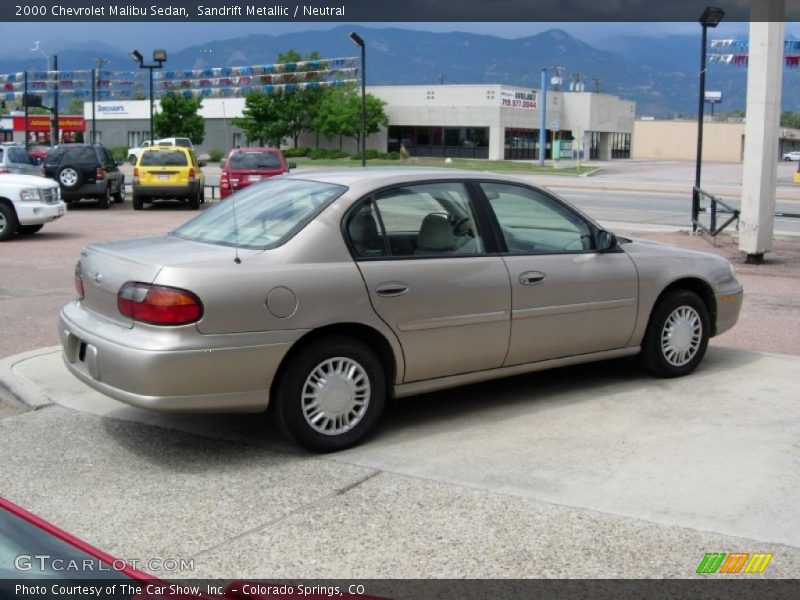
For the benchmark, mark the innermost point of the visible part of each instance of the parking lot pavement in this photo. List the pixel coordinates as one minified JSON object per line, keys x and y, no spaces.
{"x":514,"y":478}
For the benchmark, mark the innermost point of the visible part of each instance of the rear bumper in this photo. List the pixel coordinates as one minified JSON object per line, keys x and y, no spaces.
{"x":166,"y":191}
{"x":98,"y":189}
{"x":195,"y":373}
{"x":37,"y":213}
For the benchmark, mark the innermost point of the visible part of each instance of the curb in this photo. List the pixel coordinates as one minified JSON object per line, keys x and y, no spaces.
{"x":17,"y":389}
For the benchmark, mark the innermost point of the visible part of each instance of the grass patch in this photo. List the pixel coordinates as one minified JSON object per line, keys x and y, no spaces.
{"x":457,"y":163}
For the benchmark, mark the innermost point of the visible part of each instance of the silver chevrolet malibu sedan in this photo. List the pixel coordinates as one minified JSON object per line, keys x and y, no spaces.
{"x":319,"y":295}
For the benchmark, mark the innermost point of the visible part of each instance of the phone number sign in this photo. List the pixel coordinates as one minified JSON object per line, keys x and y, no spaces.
{"x":509,"y":99}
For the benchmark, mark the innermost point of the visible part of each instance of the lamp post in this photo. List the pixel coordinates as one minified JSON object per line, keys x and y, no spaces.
{"x":54,"y":108}
{"x":359,"y":41}
{"x":711,"y":17}
{"x":159,"y":57}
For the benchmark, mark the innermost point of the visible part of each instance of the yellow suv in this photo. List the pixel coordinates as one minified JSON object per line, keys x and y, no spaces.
{"x":168,"y":172}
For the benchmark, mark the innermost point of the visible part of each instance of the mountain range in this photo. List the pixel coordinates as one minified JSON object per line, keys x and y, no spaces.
{"x":659,"y":73}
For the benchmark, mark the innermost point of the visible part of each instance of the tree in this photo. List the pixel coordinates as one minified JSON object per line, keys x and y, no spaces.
{"x":790,"y":119}
{"x":263,"y":118}
{"x":75,"y":107}
{"x":339,"y":113}
{"x":300,"y":105}
{"x":179,"y":118}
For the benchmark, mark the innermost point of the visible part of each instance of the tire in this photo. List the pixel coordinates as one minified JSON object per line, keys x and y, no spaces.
{"x":70,"y":177}
{"x":677,"y":335}
{"x":138,"y":202}
{"x":359,"y":395}
{"x":203,"y":195}
{"x":8,"y":222}
{"x":119,"y":195}
{"x":194,"y":201}
{"x":105,"y":201}
{"x":29,"y":229}
{"x":132,"y":160}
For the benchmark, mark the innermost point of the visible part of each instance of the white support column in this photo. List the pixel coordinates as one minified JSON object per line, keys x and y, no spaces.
{"x":497,"y":142}
{"x":764,"y":82}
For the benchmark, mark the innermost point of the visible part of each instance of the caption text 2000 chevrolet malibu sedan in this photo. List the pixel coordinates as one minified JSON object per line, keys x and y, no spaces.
{"x":319,"y":294}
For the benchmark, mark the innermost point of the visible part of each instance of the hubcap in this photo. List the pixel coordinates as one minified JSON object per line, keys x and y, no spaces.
{"x":2,"y":222}
{"x":336,"y":396}
{"x":68,"y":177}
{"x":681,"y":336}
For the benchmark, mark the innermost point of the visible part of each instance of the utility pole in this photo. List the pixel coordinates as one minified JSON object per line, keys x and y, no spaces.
{"x":96,"y":74}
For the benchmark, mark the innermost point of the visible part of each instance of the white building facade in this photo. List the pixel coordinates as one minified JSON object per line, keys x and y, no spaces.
{"x":493,"y":122}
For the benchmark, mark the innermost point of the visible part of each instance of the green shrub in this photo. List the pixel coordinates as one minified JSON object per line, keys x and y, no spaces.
{"x":119,"y":153}
{"x":296,"y":152}
{"x":215,"y":155}
{"x":394,"y":156}
{"x":371,"y":155}
{"x":323,"y":153}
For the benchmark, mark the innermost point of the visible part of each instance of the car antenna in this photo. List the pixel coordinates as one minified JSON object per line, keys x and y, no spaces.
{"x":236,"y":258}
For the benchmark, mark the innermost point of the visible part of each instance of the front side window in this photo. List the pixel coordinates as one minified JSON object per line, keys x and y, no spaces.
{"x":533,"y":223}
{"x":266,"y":215}
{"x":432,"y":219}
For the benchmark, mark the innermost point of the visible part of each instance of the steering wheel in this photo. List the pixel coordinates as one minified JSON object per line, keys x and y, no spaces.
{"x":458,"y":225}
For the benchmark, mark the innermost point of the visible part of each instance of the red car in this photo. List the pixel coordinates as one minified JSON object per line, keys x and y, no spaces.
{"x":38,"y":153}
{"x":245,"y":166}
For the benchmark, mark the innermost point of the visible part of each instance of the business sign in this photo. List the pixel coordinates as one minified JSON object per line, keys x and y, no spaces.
{"x":42,"y":123}
{"x":112,"y":109}
{"x":510,"y":99}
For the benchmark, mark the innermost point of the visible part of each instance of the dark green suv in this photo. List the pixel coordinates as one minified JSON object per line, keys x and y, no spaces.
{"x":86,"y":171}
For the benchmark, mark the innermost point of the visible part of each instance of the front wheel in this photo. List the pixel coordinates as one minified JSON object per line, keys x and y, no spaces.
{"x":29,"y":229}
{"x":677,"y":335}
{"x":331,"y":394}
{"x":8,"y":222}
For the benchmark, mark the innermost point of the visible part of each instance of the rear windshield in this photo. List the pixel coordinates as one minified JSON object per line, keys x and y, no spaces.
{"x":184,"y":142}
{"x":163,"y":158}
{"x":255,"y":160}
{"x":266,"y":215}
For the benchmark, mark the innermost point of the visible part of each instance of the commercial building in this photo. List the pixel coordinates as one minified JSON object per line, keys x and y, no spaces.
{"x":475,"y":121}
{"x":677,"y":140}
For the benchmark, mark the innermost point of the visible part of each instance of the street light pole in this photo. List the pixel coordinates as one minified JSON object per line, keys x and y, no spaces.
{"x":160,"y":57}
{"x":543,"y":118}
{"x":359,"y":41}
{"x":711,"y":17}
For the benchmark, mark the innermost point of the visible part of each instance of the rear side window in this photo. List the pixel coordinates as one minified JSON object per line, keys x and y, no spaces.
{"x":255,"y":160}
{"x":54,"y":156}
{"x":163,"y":158}
{"x":18,"y":155}
{"x":84,"y":155}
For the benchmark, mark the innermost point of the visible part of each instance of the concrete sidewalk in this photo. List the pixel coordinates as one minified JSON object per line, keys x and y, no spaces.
{"x":515,"y":478}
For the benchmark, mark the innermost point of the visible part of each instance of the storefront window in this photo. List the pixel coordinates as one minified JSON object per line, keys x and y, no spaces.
{"x":456,"y":142}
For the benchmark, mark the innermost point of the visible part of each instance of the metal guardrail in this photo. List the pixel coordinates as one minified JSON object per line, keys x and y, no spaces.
{"x":713,"y":209}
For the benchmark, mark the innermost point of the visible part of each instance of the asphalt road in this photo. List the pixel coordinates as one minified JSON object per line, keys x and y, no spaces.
{"x":672,"y":210}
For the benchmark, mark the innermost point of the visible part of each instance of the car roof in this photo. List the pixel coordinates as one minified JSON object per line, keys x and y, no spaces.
{"x":377,"y":176}
{"x":256,"y":149}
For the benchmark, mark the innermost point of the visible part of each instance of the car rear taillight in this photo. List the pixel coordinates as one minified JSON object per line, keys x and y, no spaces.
{"x":224,"y":182}
{"x":4,"y":170}
{"x":136,"y":174}
{"x":79,"y":281}
{"x":101,"y":174}
{"x":158,"y":304}
{"x":191,"y":173}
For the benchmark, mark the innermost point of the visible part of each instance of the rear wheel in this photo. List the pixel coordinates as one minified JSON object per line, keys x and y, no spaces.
{"x":194,"y":201}
{"x":29,"y":229}
{"x":677,"y":335}
{"x":119,"y":195}
{"x":8,"y":222}
{"x":138,"y":202}
{"x":105,"y":200}
{"x":331,"y":394}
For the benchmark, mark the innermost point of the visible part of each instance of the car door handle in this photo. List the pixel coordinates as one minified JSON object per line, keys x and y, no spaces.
{"x":531,"y":278}
{"x":391,"y":289}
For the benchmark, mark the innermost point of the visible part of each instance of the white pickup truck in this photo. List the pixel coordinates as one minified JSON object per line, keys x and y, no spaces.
{"x":27,"y":202}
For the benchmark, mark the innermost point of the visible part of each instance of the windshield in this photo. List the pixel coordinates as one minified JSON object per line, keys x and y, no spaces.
{"x":163,"y":158}
{"x":255,"y":160}
{"x":267,"y":214}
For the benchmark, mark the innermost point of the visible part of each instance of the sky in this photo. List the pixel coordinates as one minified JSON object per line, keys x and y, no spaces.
{"x":19,"y":39}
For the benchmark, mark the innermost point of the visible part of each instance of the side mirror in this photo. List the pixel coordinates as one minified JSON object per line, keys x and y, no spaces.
{"x":606,"y":241}
{"x":291,"y":166}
